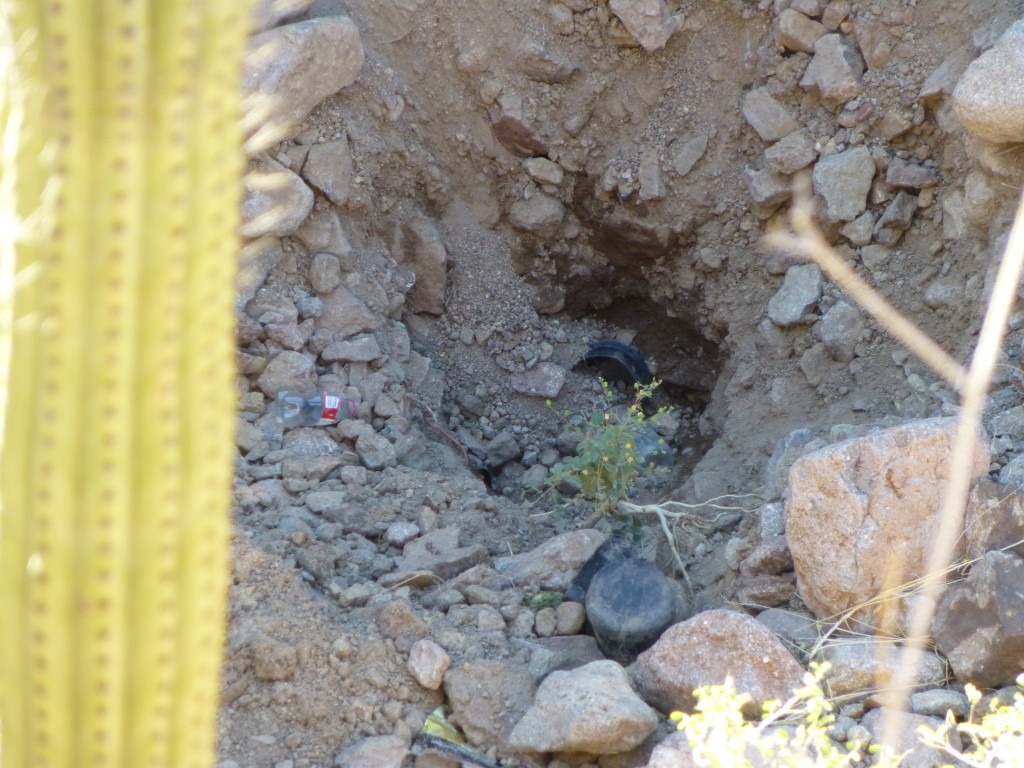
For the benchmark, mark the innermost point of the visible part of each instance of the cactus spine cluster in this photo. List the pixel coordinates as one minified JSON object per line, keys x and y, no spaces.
{"x":120,"y":166}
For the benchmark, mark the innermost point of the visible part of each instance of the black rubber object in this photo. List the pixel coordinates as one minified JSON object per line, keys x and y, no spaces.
{"x":629,"y":604}
{"x":619,"y":362}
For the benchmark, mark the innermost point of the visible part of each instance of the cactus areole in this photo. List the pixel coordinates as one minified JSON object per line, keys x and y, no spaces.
{"x":120,"y":166}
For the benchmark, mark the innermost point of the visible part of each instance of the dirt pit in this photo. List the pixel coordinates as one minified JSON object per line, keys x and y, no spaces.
{"x":524,"y":180}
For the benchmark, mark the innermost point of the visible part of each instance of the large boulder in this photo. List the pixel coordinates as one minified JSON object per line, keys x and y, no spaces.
{"x":297,"y":66}
{"x":989,"y":98}
{"x":708,"y":648}
{"x":862,"y":514}
{"x":591,"y":709}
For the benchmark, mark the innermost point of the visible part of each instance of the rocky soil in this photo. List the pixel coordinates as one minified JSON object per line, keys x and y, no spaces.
{"x":457,"y":200}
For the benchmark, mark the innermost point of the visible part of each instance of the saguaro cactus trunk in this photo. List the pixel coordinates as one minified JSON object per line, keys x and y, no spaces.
{"x":120,"y":165}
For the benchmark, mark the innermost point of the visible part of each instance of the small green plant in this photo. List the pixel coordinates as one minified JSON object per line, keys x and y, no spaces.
{"x":607,"y":462}
{"x":996,"y":739}
{"x":791,"y":733}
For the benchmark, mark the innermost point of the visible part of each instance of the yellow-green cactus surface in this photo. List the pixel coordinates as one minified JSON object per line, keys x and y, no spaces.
{"x":120,"y":165}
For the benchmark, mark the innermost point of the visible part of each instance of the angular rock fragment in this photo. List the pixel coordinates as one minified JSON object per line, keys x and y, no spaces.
{"x":543,"y":380}
{"x":979,"y":624}
{"x":591,"y":709}
{"x":276,"y":201}
{"x":540,"y":215}
{"x":843,"y":181}
{"x":770,"y":119}
{"x":800,"y":291}
{"x":649,"y":21}
{"x":688,"y":154}
{"x":328,"y":168}
{"x":791,"y":153}
{"x":835,"y":71}
{"x":796,"y":32}
{"x":896,"y":219}
{"x":904,"y":175}
{"x":488,"y":698}
{"x":299,"y":65}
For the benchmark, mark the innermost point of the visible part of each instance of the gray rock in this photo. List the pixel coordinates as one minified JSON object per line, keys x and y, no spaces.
{"x":875,"y":256}
{"x":324,"y":273}
{"x":426,"y":253}
{"x":979,"y":623}
{"x":816,"y":364}
{"x":591,"y":709}
{"x":860,"y":230}
{"x":840,"y":330}
{"x":1012,"y":474}
{"x":287,"y":370}
{"x":439,"y":552}
{"x":277,"y":204}
{"x":544,"y":171}
{"x":875,"y":495}
{"x":346,"y":315}
{"x":554,"y":563}
{"x":297,"y":66}
{"x":629,"y":604}
{"x":796,"y":32}
{"x":269,"y":13}
{"x":896,"y":219}
{"x":765,"y":187}
{"x":543,"y":380}
{"x":375,"y":451}
{"x":540,"y":215}
{"x":835,"y":70}
{"x":309,"y":443}
{"x":328,"y":168}
{"x":247,"y":435}
{"x":322,"y":232}
{"x":943,"y":79}
{"x":548,"y":654}
{"x":649,"y":21}
{"x":787,"y":450}
{"x":938,"y":701}
{"x":359,"y":349}
{"x":674,"y":751}
{"x":502,"y":449}
{"x":374,"y":752}
{"x":569,"y":618}
{"x":843,"y":181}
{"x":252,"y":272}
{"x":791,"y":153}
{"x":913,"y":753}
{"x":323,"y":502}
{"x":705,"y":650}
{"x":904,"y":175}
{"x":488,"y":698}
{"x":994,"y":519}
{"x":771,"y":120}
{"x":860,"y":667}
{"x":800,"y":291}
{"x":796,"y":627}
{"x":989,"y":98}
{"x":688,"y":154}
{"x":652,"y":187}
